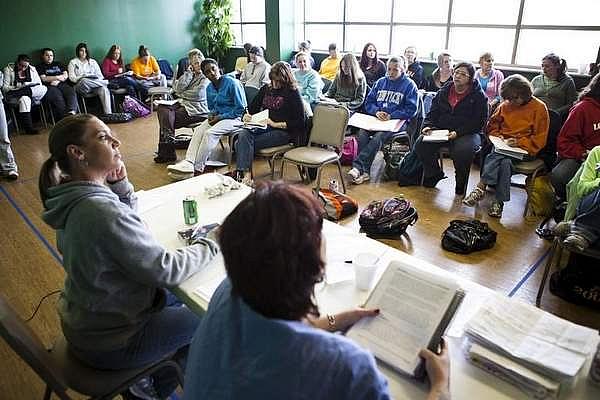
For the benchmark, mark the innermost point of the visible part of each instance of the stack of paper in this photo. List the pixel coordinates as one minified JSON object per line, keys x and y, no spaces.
{"x":371,"y":123}
{"x":531,"y":339}
{"x":437,"y":136}
{"x":534,"y":384}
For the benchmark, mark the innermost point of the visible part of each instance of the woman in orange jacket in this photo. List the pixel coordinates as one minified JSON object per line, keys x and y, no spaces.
{"x":522,"y":121}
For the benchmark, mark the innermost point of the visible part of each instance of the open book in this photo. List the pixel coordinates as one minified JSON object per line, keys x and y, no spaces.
{"x":416,"y":308}
{"x":501,"y":147}
{"x":259,"y":120}
{"x":437,"y":136}
{"x":371,"y":123}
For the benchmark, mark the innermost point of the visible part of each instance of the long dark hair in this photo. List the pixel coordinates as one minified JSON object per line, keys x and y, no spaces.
{"x":283,"y":72}
{"x":69,"y":130}
{"x":271,"y":243}
{"x":350,"y":80}
{"x":365,"y":62}
{"x":111,"y":53}
{"x":82,"y":46}
{"x":592,"y":89}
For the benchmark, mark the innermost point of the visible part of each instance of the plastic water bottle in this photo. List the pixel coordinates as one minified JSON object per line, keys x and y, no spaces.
{"x":333,"y":185}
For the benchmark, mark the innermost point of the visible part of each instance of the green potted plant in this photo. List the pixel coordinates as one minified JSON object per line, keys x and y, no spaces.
{"x":213,"y":32}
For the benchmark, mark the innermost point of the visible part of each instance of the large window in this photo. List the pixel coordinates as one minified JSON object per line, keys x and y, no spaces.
{"x":518,"y":32}
{"x":248,"y":22}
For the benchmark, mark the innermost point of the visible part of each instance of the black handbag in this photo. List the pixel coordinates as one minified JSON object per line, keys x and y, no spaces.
{"x":467,"y":236}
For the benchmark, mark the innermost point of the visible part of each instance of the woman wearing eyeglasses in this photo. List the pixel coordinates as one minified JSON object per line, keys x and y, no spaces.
{"x":461,"y":107}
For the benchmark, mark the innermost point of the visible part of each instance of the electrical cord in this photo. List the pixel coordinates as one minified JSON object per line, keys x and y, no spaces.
{"x":40,"y":303}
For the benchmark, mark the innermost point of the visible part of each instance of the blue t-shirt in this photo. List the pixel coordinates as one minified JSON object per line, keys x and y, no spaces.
{"x":237,"y":353}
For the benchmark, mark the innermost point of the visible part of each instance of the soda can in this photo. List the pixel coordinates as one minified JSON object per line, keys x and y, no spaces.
{"x":190,"y":211}
{"x":333,"y":186}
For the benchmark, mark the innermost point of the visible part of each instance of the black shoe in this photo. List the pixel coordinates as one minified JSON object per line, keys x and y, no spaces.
{"x":161,"y":159}
{"x":430,"y":182}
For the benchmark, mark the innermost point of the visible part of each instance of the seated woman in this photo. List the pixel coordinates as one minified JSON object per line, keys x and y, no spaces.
{"x":304,"y":47}
{"x":115,"y":310}
{"x":522,"y":121}
{"x":8,"y":165}
{"x":191,"y":107}
{"x":579,"y":134}
{"x":22,"y":84}
{"x":371,"y":65}
{"x":256,"y":72}
{"x":113,"y":69}
{"x":440,"y":75}
{"x":581,"y":227}
{"x":85,"y":73}
{"x":553,"y":86}
{"x":310,"y":83}
{"x":147,"y":72}
{"x":414,"y":69}
{"x":489,"y":79}
{"x":286,"y":122}
{"x":350,"y":85}
{"x":393,"y":97}
{"x":262,"y":336}
{"x":460,"y":107}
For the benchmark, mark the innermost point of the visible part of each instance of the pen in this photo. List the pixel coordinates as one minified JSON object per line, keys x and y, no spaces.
{"x":348,"y":261}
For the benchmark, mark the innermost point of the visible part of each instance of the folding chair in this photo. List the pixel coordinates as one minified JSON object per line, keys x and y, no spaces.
{"x":61,"y":371}
{"x":324,"y":144}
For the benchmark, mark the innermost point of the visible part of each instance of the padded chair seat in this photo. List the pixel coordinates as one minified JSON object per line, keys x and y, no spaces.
{"x":311,"y":155}
{"x":86,"y":380}
{"x":528,"y":167}
{"x":270,"y":151}
{"x":157,"y":90}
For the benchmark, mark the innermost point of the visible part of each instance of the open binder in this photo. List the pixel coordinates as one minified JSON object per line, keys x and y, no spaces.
{"x":416,"y":308}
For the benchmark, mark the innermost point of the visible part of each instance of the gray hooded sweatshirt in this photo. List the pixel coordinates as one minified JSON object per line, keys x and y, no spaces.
{"x":114,"y":265}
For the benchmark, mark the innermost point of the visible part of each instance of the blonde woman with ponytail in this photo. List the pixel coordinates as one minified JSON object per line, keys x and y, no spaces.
{"x":114,"y":309}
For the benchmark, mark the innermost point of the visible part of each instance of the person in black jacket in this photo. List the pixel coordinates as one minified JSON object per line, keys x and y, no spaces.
{"x":461,"y":107}
{"x":414,"y":69}
{"x":286,"y":122}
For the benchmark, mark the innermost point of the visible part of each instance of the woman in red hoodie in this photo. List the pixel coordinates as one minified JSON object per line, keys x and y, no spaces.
{"x":579,"y":134}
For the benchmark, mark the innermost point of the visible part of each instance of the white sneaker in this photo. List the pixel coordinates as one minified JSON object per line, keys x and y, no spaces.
{"x":361,"y":179}
{"x":183,"y":166}
{"x":354,"y":173}
{"x":178,"y":176}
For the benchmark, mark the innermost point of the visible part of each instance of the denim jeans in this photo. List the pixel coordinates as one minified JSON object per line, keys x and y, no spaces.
{"x":497,"y":170}
{"x":168,"y":331}
{"x":250,"y":141}
{"x":129,"y":83}
{"x":7,"y":160}
{"x":369,"y":143}
{"x":587,"y":221}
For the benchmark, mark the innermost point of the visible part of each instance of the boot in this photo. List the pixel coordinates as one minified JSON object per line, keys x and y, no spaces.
{"x":27,"y":123}
{"x":166,"y":153}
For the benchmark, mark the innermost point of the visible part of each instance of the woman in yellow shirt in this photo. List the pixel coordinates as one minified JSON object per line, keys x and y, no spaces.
{"x":146,"y":70}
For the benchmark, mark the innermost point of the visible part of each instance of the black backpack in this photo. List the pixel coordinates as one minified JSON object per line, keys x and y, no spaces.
{"x":388,"y":217}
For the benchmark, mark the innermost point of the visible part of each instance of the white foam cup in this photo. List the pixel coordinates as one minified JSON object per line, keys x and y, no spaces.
{"x":365,"y":265}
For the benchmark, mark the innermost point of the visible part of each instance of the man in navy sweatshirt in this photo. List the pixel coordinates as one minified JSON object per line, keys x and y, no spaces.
{"x":393,"y":97}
